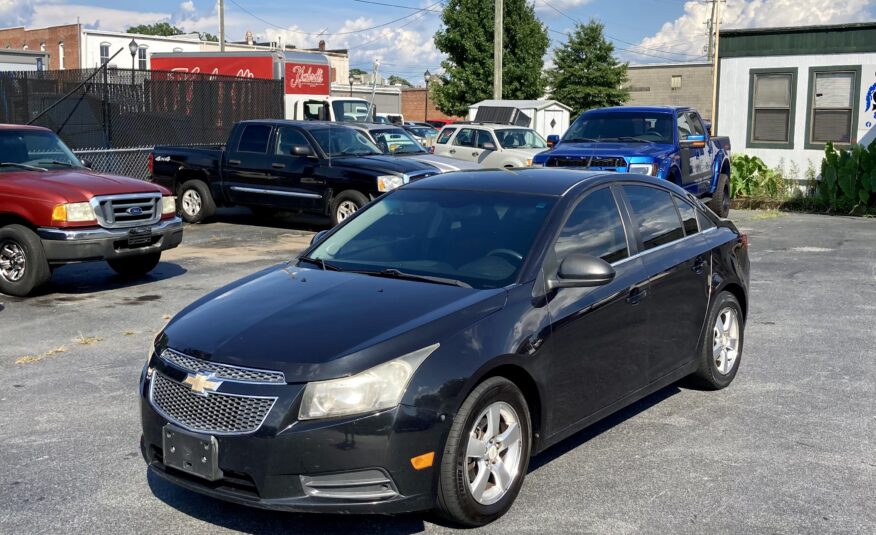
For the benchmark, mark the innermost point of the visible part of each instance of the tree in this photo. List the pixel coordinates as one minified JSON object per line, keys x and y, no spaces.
{"x":586,"y":74}
{"x":159,"y":28}
{"x":357,"y":72}
{"x":207,"y":36}
{"x":398,"y":80}
{"x":467,"y":39}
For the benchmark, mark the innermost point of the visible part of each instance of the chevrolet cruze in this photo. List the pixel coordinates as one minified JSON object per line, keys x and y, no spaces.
{"x":417,"y":355}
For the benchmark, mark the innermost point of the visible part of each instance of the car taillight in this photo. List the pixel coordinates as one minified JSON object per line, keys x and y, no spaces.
{"x":150,"y":164}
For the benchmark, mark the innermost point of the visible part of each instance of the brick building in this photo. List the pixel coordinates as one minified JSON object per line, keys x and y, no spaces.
{"x":413,"y":106}
{"x":61,"y":43}
{"x":674,"y":84}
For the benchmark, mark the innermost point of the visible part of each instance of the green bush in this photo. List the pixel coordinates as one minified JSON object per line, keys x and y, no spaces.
{"x":848,"y":178}
{"x":751,"y":177}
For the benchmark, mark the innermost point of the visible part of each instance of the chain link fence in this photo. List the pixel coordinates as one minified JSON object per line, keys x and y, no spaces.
{"x":114,"y":117}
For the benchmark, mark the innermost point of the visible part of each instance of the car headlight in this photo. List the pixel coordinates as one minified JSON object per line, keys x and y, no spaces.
{"x":168,"y":205}
{"x":377,"y":388}
{"x":389,"y":182}
{"x":533,"y":163}
{"x":75,"y":212}
{"x":643,"y":168}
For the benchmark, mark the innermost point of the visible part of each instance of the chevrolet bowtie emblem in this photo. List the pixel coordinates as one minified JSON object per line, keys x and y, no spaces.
{"x":202,"y":383}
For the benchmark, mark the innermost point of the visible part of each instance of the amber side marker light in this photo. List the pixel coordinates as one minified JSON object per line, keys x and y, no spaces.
{"x":423,"y":461}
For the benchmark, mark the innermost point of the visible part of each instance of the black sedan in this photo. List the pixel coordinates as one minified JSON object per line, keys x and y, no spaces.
{"x":417,"y":355}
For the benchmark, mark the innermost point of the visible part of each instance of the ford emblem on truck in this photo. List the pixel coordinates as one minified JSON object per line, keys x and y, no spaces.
{"x":134,"y":210}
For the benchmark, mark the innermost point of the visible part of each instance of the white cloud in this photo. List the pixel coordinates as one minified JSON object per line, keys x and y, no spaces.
{"x":100,"y":18}
{"x":15,"y":12}
{"x":188,"y":6}
{"x":544,"y":7}
{"x":687,"y":34}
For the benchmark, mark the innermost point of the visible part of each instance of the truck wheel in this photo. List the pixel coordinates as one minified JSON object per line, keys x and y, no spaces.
{"x":195,"y":201}
{"x":23,"y":265}
{"x":345,"y":204}
{"x":720,"y":203}
{"x":135,"y":266}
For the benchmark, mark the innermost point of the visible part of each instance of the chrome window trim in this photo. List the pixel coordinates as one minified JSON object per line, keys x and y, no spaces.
{"x":223,"y":365}
{"x":276,"y":192}
{"x":202,"y":431}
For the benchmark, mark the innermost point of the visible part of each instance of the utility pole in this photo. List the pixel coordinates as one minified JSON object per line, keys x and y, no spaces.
{"x":498,"y":30}
{"x":710,"y":24}
{"x":221,"y":25}
{"x":715,"y":64}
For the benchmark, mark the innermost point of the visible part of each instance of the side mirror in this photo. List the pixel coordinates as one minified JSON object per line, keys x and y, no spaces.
{"x":580,"y":271}
{"x":488,"y":146}
{"x":318,"y":236}
{"x":86,"y":163}
{"x":695,"y":141}
{"x":553,"y":140}
{"x":301,"y":150}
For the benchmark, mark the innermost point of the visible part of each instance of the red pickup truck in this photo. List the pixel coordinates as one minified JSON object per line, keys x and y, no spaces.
{"x":54,"y":210}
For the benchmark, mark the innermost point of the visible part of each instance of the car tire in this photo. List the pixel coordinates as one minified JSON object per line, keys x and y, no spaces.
{"x":135,"y":266}
{"x":23,"y":265}
{"x":468,"y":490}
{"x":195,"y":202}
{"x":720,"y":203}
{"x":345,"y":204}
{"x":721,"y":353}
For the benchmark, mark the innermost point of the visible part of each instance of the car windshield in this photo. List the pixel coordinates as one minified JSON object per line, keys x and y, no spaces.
{"x":635,"y":127}
{"x":423,"y":131}
{"x":396,"y":141}
{"x":520,"y":138}
{"x":343,"y":141}
{"x":23,"y":149}
{"x":350,"y":110}
{"x":479,"y":238}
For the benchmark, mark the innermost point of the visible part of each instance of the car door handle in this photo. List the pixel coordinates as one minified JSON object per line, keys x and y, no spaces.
{"x":698,"y":265}
{"x":452,"y":151}
{"x":475,"y":153}
{"x":276,"y":165}
{"x":233,"y":162}
{"x":636,"y":295}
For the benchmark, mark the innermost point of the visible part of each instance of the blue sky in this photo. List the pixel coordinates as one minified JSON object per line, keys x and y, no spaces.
{"x":644,"y":31}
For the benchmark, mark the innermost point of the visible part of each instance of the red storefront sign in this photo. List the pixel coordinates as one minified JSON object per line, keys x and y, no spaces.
{"x":307,"y":79}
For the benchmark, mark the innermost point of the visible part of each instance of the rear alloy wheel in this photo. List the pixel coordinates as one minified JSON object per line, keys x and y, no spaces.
{"x":345,"y":204}
{"x":135,"y":266}
{"x":23,"y":265}
{"x":486,"y":454}
{"x":195,"y":201}
{"x":722,"y":347}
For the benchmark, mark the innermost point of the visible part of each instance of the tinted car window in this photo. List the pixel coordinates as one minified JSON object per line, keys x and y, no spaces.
{"x":465,"y":138}
{"x":595,"y":228}
{"x":480,"y":238}
{"x":254,"y":138}
{"x":655,"y":215}
{"x":444,"y":137}
{"x":483,"y":138}
{"x":288,"y":137}
{"x":705,"y":222}
{"x":695,"y":124}
{"x":688,"y":216}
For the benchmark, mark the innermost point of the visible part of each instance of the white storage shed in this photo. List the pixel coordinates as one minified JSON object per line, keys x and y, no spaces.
{"x":548,"y":117}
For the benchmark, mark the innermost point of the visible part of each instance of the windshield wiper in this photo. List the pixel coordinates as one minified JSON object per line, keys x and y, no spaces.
{"x":633,"y":139}
{"x":581,"y":140}
{"x":393,"y":273}
{"x":319,"y":262}
{"x":22,"y":166}
{"x":57,"y":162}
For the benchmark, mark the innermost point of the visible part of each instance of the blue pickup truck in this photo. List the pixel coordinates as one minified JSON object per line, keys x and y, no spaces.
{"x":664,"y":141}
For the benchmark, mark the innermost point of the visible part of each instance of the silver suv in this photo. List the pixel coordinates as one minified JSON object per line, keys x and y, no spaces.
{"x":491,"y":145}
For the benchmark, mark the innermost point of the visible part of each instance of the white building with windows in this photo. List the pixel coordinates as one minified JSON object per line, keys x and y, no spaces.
{"x":783,"y":93}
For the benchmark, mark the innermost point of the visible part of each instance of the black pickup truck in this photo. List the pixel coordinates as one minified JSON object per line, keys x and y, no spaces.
{"x":275,"y":165}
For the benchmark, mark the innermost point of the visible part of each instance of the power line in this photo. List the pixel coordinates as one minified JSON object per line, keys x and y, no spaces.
{"x":397,"y":5}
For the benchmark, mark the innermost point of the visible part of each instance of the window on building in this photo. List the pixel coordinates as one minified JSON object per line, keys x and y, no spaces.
{"x":104,"y":53}
{"x":675,"y":83}
{"x":772,"y":102}
{"x":141,"y":58}
{"x":831,"y":112}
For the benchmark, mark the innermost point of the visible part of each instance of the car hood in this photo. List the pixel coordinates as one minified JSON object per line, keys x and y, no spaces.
{"x":610,"y":149}
{"x":71,"y":185}
{"x":443,"y":163}
{"x":315,"y":325}
{"x":384,"y":164}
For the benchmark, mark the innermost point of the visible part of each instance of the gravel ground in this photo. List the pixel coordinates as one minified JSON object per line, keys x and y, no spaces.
{"x":788,"y":448}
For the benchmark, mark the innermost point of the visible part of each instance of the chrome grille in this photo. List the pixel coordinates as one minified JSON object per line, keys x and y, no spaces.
{"x":601,"y":162}
{"x":119,"y":211}
{"x":214,"y":413}
{"x":225,"y":372}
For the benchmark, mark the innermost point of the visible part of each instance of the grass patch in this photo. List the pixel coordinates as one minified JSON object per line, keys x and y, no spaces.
{"x":28,"y":359}
{"x":87,"y":340}
{"x":767,"y":215}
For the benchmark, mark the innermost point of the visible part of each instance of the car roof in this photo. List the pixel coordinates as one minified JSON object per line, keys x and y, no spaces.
{"x":489,"y":126}
{"x":4,"y":126}
{"x":650,"y":109}
{"x":526,"y":180}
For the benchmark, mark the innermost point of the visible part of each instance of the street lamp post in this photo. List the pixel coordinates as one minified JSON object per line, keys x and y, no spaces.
{"x":351,"y":80}
{"x":133,"y":47}
{"x":426,"y":76}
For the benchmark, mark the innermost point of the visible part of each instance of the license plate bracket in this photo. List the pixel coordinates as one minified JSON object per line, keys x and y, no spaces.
{"x":138,"y":237}
{"x":191,"y":453}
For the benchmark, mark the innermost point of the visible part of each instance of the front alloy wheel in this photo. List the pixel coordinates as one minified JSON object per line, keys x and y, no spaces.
{"x":13,"y":261}
{"x":493,"y":453}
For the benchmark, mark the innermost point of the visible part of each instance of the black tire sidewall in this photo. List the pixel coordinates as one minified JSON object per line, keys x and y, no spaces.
{"x":207,"y":205}
{"x":347,"y":195}
{"x":459,"y":506}
{"x":721,"y":192}
{"x":36,"y":271}
{"x":708,"y":371}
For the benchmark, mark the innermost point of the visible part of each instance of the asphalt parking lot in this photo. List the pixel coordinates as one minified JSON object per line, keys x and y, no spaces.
{"x":789,"y":447}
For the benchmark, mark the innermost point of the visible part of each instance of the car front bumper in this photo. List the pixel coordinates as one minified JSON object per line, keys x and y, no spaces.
{"x":357,"y":464}
{"x":97,"y":243}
